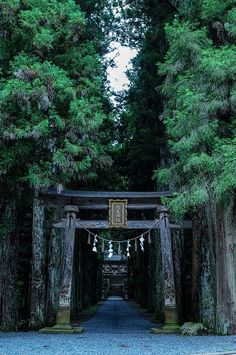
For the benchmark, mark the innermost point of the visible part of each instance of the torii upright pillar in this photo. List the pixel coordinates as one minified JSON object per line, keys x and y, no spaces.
{"x":64,"y":309}
{"x":170,"y":307}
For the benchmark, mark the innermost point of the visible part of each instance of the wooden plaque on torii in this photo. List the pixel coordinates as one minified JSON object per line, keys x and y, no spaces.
{"x":118,"y":213}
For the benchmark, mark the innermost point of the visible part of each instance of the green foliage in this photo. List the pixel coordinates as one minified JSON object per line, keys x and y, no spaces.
{"x":51,"y":94}
{"x":230,"y":24}
{"x":199,"y":113}
{"x":212,"y":9}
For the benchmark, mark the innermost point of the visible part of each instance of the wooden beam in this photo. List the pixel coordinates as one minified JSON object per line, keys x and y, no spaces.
{"x":104,"y":206}
{"x":105,"y":225}
{"x":108,"y":194}
{"x":102,"y":224}
{"x":91,"y":199}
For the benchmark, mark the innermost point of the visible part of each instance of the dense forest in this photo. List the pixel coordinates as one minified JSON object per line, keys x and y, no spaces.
{"x":172,"y":129}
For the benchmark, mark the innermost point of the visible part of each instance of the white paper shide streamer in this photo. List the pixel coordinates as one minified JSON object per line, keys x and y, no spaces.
{"x":95,"y":244}
{"x":110,"y":249}
{"x":141,"y":240}
{"x":127,"y":249}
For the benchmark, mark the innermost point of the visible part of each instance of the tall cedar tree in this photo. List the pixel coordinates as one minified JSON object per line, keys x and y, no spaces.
{"x":51,"y":117}
{"x":50,"y":101}
{"x":200,"y":103}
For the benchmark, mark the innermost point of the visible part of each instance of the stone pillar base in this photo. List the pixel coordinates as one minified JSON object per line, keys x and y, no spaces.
{"x":171,"y":322}
{"x":166,"y":329}
{"x":62,"y":329}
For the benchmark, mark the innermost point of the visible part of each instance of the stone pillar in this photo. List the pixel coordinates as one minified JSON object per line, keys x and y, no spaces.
{"x":170,"y":307}
{"x":64,"y":309}
{"x":38,"y":291}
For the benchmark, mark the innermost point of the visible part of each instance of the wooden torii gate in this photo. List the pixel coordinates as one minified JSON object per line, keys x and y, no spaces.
{"x":73,"y":201}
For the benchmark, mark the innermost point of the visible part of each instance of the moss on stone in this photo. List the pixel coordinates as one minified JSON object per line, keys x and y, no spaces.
{"x":191,"y":328}
{"x":62,"y":330}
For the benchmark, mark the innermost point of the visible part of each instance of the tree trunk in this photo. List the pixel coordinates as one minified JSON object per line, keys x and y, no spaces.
{"x":214,"y":278}
{"x":8,"y":267}
{"x":38,"y":293}
{"x":207,"y":300}
{"x":152,"y":273}
{"x":65,"y":298}
{"x":196,"y":263}
{"x":86,"y":250}
{"x":94,"y":277}
{"x":225,"y":229}
{"x":80,"y":280}
{"x":56,"y":243}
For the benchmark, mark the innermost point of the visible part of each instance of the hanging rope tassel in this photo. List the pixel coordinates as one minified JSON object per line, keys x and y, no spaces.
{"x":89,"y":239}
{"x":141,"y":242}
{"x":94,"y":244}
{"x":110,"y":250}
{"x":149,"y":238}
{"x":119,"y":248}
{"x":127,"y":249}
{"x":136,"y":245}
{"x":103,"y":246}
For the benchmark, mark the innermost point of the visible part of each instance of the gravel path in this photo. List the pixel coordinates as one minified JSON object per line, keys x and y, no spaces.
{"x":116,"y":329}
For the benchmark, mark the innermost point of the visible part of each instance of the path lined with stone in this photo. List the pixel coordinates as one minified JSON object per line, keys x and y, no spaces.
{"x":116,"y":329}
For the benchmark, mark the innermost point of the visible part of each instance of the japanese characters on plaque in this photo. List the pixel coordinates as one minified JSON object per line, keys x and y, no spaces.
{"x":118,"y":213}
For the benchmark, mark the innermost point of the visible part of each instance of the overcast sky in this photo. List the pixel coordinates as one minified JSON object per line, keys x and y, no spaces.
{"x":117,"y":76}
